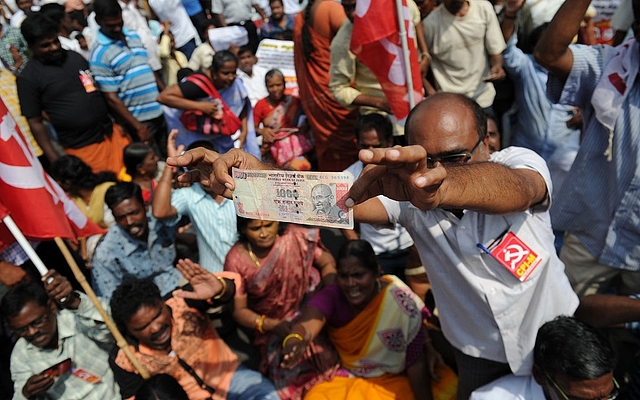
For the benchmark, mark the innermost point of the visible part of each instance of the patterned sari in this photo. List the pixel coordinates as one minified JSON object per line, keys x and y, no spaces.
{"x":373,"y":346}
{"x":278,"y":289}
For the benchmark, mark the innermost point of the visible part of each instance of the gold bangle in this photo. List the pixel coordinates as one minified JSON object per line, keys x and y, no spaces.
{"x":291,"y":336}
{"x":224,"y":288}
{"x":260,"y":323}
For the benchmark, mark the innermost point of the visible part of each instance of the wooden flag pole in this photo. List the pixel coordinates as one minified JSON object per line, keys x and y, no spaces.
{"x":42,"y":269}
{"x":120,"y":340}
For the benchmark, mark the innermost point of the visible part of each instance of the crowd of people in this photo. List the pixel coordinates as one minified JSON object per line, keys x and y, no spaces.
{"x":496,"y":252}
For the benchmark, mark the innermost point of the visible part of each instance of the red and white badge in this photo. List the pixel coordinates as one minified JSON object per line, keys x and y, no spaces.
{"x":86,"y":376}
{"x":513,"y":254}
{"x":87,"y":81}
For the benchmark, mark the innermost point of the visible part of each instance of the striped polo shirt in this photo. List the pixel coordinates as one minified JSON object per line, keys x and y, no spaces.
{"x":122,"y":68}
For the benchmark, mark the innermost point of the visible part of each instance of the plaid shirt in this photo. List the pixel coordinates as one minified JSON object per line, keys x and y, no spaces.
{"x":84,"y":339}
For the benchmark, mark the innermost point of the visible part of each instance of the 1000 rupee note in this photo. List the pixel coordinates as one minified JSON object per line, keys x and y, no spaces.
{"x":301,"y":197}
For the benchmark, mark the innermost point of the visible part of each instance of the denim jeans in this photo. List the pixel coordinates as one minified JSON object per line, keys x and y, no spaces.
{"x":247,"y":384}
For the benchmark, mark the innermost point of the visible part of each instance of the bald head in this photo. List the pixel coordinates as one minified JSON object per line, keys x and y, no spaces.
{"x":447,"y":105}
{"x":450,"y":127}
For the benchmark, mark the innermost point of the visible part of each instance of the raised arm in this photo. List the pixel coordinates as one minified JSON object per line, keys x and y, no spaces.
{"x":173,"y":97}
{"x":161,"y":206}
{"x":552,"y":50}
{"x":486,"y":187}
{"x":608,"y":311}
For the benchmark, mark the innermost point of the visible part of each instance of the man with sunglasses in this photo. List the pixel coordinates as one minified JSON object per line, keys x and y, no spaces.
{"x":477,"y":220}
{"x":54,"y":324}
{"x":572,"y":361}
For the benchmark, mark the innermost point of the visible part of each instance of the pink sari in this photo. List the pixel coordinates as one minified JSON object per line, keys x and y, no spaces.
{"x":279,"y":288}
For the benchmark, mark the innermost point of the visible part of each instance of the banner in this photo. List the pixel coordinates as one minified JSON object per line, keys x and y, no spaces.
{"x":376,"y":42}
{"x":37,"y":204}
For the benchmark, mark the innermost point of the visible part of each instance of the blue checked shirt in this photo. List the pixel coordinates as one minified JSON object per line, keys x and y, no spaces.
{"x":600,"y":200}
{"x":118,"y":257}
{"x":215,"y":224}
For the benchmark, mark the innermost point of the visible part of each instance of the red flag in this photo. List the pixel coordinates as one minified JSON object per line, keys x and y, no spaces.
{"x":40,"y":208}
{"x":376,"y":42}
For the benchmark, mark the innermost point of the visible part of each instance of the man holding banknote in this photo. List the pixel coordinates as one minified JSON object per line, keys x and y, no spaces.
{"x":480,"y":223}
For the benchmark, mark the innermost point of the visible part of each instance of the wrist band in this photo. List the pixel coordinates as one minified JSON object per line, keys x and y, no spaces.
{"x":224,"y":288}
{"x":415,"y":271}
{"x":260,"y":323}
{"x":291,"y":336}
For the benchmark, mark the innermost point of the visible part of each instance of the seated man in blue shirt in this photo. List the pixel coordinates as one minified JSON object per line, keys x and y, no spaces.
{"x":213,"y":216}
{"x":137,"y":246}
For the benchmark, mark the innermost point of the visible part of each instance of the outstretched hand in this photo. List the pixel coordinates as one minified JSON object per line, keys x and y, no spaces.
{"x":205,"y":285}
{"x":293,"y":352}
{"x":399,"y":173}
{"x":213,"y":170}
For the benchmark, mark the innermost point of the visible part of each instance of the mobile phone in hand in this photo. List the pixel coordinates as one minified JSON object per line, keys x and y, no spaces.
{"x":59,"y":369}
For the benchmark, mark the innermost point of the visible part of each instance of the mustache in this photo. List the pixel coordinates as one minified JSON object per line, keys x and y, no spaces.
{"x":34,"y":337}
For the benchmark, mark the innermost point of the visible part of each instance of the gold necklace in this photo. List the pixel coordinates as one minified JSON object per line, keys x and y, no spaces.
{"x":252,"y":255}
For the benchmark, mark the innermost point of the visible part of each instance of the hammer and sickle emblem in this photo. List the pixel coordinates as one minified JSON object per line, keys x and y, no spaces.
{"x":513,"y":254}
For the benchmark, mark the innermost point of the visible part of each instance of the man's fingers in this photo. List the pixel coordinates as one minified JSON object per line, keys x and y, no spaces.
{"x":367,"y":185}
{"x":394,"y":155}
{"x":192,"y":158}
{"x":400,"y":161}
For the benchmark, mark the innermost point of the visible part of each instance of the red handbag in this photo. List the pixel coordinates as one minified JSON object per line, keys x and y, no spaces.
{"x":226,"y":123}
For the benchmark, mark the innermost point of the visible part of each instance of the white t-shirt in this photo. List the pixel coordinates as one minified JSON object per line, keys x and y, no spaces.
{"x":255,"y":85}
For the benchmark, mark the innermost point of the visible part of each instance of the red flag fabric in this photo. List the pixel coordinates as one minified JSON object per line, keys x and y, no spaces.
{"x":376,"y":42}
{"x":37,"y":204}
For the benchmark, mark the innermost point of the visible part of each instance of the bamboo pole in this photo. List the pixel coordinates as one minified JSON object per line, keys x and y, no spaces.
{"x":42,"y":269}
{"x":120,"y":340}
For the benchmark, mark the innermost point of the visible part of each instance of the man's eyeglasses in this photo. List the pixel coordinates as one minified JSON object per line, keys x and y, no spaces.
{"x":453,"y":159}
{"x":35,"y":324}
{"x":611,"y":396}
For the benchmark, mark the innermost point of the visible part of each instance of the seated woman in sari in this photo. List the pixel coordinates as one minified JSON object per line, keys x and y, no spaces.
{"x":280,"y":266}
{"x":278,"y":112}
{"x":375,"y":324}
{"x":188,"y":95}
